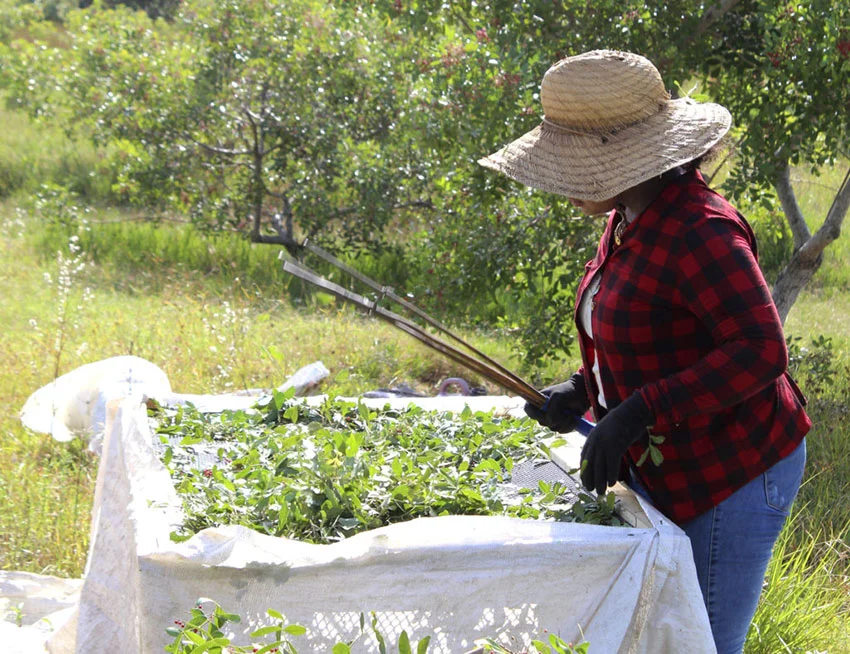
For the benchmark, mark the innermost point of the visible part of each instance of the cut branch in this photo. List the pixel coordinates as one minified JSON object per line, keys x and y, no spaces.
{"x":495,"y":373}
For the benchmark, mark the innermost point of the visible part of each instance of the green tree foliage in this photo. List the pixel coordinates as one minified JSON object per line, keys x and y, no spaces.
{"x":781,"y":68}
{"x":358,"y":125}
{"x":493,"y":251}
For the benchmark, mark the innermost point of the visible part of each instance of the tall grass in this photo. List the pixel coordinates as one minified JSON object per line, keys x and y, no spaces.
{"x":31,"y":155}
{"x":800,"y":610}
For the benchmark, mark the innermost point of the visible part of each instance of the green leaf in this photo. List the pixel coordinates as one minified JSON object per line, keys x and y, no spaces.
{"x":195,"y":638}
{"x":276,"y":354}
{"x":295,"y":629}
{"x":352,"y":445}
{"x":556,"y":643}
{"x":404,"y":643}
{"x":364,"y":412}
{"x":382,"y":646}
{"x":265,"y":631}
{"x":206,"y":646}
{"x":270,"y":646}
{"x":341,"y":648}
{"x":402,"y":490}
{"x":657,"y":456}
{"x":541,"y":647}
{"x":422,"y":647}
{"x":342,"y":375}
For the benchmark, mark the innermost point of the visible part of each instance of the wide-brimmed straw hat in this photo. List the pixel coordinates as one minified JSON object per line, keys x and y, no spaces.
{"x":609,"y":124}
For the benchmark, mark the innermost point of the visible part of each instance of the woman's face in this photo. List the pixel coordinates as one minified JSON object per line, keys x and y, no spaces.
{"x":594,"y":208}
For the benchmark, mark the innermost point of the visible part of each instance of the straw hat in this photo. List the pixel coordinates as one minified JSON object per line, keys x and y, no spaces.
{"x":609,"y":124}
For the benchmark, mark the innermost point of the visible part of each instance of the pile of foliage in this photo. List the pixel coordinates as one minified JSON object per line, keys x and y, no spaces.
{"x":321,"y":474}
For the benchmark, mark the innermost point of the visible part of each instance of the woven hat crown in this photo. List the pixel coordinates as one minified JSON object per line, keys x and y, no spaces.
{"x":608,"y":125}
{"x":602,"y":91}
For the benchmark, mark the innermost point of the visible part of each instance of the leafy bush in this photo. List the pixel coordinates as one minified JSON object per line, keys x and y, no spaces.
{"x":816,"y":367}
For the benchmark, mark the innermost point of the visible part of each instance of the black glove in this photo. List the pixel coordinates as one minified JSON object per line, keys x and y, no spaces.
{"x":606,"y":444}
{"x":567,"y":402}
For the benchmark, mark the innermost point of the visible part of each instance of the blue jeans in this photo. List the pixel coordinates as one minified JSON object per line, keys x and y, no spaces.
{"x":732,"y":544}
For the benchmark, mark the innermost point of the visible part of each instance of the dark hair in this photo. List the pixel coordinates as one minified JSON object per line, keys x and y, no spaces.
{"x":712,"y":153}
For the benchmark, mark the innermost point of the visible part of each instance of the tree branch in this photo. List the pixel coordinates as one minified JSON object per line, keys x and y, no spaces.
{"x":831,"y":228}
{"x":793,"y":213}
{"x":276,"y":239}
{"x":712,"y":15}
{"x":284,"y":235}
{"x":214,"y":149}
{"x":807,"y":258}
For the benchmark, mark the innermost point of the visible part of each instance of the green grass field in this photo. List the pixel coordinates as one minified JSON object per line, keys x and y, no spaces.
{"x":216,"y":314}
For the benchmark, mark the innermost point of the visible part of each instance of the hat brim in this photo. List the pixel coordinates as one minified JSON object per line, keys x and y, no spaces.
{"x":598,"y":167}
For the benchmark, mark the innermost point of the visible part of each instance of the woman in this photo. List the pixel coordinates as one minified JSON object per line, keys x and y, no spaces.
{"x":680,"y":339}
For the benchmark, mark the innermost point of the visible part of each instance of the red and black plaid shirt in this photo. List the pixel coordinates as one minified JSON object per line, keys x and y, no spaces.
{"x":684,"y":317}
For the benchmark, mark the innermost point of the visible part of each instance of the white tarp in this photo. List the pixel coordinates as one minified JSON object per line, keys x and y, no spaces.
{"x":32,"y":607}
{"x":454,"y":578}
{"x":75,"y":403}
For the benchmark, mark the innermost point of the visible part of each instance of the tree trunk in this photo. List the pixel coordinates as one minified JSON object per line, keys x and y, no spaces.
{"x":793,"y":279}
{"x":808,"y":248}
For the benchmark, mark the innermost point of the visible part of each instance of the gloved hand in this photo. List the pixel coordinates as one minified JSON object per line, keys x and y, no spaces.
{"x":567,"y":402}
{"x":607,"y":443}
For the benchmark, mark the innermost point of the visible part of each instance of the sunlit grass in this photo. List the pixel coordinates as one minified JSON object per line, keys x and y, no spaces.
{"x":800,"y":610}
{"x":31,"y":155}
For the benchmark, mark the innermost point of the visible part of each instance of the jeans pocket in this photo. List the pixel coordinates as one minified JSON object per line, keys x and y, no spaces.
{"x":782,"y":481}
